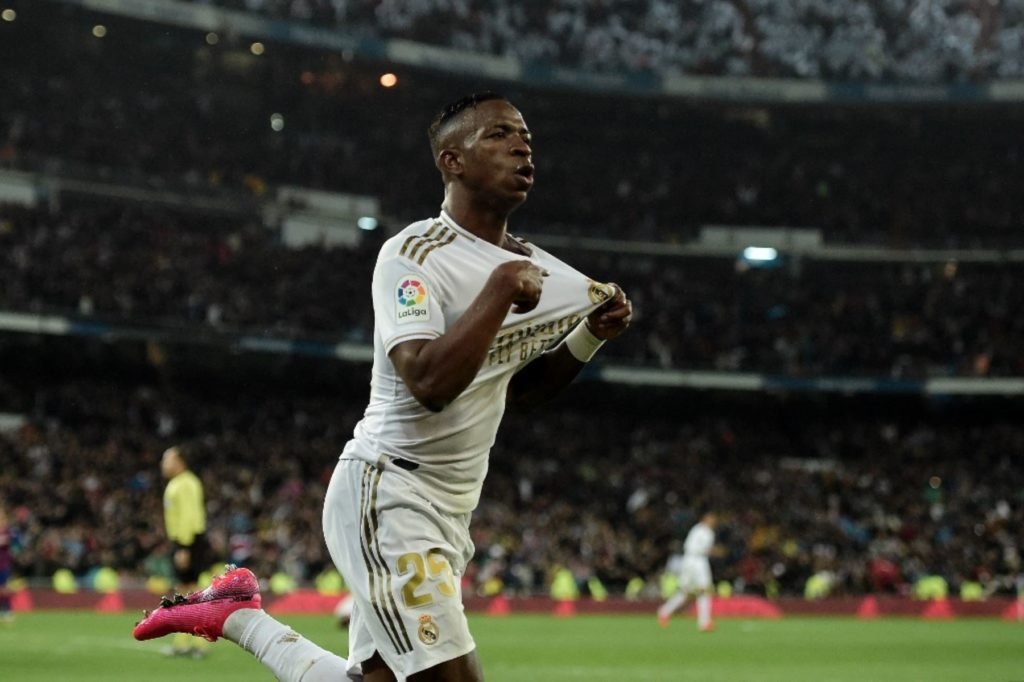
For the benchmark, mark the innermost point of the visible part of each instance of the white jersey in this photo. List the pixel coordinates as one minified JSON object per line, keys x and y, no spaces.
{"x":699,"y":541}
{"x":426,"y":277}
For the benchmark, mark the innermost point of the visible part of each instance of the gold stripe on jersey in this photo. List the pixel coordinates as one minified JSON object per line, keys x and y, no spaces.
{"x":438,"y":243}
{"x":376,"y":568}
{"x":421,"y":243}
{"x":416,"y":237}
{"x":412,"y":245}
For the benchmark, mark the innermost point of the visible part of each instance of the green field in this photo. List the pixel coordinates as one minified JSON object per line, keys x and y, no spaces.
{"x":77,"y":646}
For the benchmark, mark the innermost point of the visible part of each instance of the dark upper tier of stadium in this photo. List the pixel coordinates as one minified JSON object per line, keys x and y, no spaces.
{"x":155,"y":104}
{"x":941,"y":40}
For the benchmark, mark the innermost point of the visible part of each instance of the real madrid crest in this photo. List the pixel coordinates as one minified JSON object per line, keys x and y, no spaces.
{"x":599,"y":293}
{"x":428,"y":632}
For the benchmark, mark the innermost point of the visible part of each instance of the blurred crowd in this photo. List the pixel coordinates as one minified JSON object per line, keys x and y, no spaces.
{"x":875,"y":502}
{"x":84,"y":484}
{"x":897,"y":320}
{"x":135,"y":265}
{"x":117,"y":262}
{"x":149,"y":106}
{"x":862,"y":40}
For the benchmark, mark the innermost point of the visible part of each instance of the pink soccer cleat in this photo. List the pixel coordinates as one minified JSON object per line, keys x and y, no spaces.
{"x":202,"y":613}
{"x":663,"y":620}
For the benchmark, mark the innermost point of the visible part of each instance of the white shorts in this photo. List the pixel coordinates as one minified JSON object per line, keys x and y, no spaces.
{"x":403,"y":560}
{"x":694,"y":574}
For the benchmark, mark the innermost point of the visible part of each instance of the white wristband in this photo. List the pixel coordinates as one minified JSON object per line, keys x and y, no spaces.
{"x":582,"y":343}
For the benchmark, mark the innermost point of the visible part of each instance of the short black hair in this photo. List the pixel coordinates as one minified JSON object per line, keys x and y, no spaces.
{"x":452,"y":111}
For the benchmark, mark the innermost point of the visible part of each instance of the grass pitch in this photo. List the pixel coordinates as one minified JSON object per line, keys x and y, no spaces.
{"x":81,"y":646}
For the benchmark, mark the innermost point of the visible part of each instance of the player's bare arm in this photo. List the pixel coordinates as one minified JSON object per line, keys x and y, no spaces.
{"x":438,"y":370}
{"x":552,"y":371}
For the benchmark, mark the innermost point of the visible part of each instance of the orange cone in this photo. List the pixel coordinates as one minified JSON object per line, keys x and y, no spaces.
{"x":868,"y":608}
{"x":938,"y":609}
{"x":21,"y":601}
{"x":110,"y":603}
{"x":498,"y":606}
{"x":1014,"y":611}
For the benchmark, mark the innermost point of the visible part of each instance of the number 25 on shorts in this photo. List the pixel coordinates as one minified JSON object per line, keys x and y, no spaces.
{"x":436,"y":567}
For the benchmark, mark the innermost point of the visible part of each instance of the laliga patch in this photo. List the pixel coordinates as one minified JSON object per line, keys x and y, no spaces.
{"x":599,"y":293}
{"x":412,"y":300}
{"x":428,"y":631}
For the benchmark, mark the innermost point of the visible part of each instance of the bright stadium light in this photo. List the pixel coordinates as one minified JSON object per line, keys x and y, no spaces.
{"x":277,"y":122}
{"x":257,"y":48}
{"x":367,"y":223}
{"x":388,"y":80}
{"x":8,"y":15}
{"x":760,"y":254}
{"x":99,"y":30}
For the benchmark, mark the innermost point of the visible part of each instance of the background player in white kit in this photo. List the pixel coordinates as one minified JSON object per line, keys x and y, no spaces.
{"x":467,"y":319}
{"x":693,"y":570}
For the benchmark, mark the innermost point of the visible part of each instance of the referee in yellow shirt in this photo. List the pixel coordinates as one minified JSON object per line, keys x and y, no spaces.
{"x":185,"y":520}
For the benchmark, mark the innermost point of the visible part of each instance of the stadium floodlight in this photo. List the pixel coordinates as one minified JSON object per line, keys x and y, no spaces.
{"x":8,"y":15}
{"x":277,"y":122}
{"x":367,"y":223}
{"x":760,"y":254}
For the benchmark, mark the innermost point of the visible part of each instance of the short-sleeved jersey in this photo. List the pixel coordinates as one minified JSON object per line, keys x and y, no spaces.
{"x":425,"y":278}
{"x":699,"y":541}
{"x":184,"y":508}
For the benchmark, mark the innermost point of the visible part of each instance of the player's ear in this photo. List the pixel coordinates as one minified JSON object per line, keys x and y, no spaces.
{"x":449,"y":161}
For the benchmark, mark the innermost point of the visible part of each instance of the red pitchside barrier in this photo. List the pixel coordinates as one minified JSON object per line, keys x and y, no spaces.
{"x":740,"y":606}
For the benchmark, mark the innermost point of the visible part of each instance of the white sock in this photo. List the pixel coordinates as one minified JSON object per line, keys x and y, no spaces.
{"x":703,"y":610}
{"x":289,"y":655}
{"x":673,"y":603}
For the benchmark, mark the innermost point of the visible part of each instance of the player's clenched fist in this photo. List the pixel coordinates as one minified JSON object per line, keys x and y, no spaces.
{"x":524,"y":280}
{"x":613,"y":317}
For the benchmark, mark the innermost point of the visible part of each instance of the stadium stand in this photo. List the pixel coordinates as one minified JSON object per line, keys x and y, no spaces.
{"x":163,"y":107}
{"x":876,"y":490}
{"x":119,"y":262}
{"x":145,"y":265}
{"x":813,"y":486}
{"x":862,"y":40}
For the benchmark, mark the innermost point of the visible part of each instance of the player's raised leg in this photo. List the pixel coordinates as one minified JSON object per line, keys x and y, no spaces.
{"x":231,"y":607}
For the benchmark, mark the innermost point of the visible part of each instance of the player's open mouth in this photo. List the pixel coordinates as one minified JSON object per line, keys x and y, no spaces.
{"x":525,"y":172}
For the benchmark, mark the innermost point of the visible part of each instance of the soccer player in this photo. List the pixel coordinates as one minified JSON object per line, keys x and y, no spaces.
{"x":185,"y":522}
{"x":468,"y":319}
{"x":694,"y":572}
